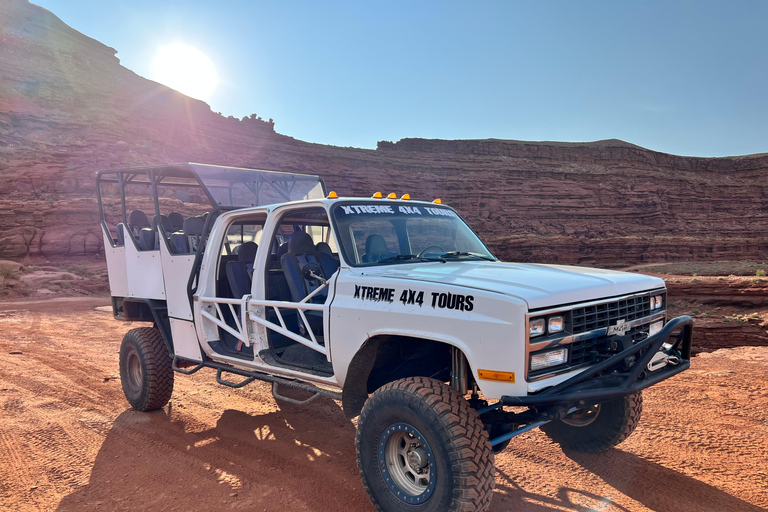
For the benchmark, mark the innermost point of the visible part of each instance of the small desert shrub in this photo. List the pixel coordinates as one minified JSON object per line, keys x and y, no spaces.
{"x":760,"y":273}
{"x":79,"y":270}
{"x":7,"y":273}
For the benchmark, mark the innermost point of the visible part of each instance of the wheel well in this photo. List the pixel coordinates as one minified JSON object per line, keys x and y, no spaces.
{"x":383,"y":359}
{"x":145,"y":310}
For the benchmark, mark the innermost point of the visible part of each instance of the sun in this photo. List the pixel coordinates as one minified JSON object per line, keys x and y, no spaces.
{"x":186,"y":69}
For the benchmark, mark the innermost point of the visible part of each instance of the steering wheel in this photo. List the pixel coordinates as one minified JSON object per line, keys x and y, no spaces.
{"x":426,"y":250}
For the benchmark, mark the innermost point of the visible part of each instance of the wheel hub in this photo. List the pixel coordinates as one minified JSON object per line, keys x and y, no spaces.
{"x":407,"y":463}
{"x":134,"y":373}
{"x":417,"y":458}
{"x":582,"y":417}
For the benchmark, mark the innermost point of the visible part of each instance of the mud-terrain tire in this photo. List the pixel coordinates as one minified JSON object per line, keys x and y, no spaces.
{"x":612,"y":423}
{"x":441,"y":436}
{"x":146,"y":369}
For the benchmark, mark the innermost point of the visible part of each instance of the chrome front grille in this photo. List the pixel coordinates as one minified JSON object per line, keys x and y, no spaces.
{"x":598,"y":316}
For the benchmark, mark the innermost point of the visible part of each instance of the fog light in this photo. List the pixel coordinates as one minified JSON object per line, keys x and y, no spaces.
{"x":536,"y":327}
{"x":655,"y":327}
{"x":547,"y":359}
{"x":555,"y":324}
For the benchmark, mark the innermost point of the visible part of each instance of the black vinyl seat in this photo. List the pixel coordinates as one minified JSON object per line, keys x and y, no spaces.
{"x":376,"y":249}
{"x":165,"y":222}
{"x":301,"y":250}
{"x":138,"y":225}
{"x":327,"y":262}
{"x":177,"y":221}
{"x":240,"y":272}
{"x":188,"y":240}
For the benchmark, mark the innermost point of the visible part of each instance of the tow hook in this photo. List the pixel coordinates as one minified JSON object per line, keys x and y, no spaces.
{"x":662,"y":359}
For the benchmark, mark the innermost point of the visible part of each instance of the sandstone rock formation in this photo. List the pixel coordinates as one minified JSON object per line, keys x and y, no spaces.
{"x":68,"y":109}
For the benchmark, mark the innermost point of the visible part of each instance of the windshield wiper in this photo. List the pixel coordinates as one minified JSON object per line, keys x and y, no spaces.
{"x":408,"y":257}
{"x":460,"y":254}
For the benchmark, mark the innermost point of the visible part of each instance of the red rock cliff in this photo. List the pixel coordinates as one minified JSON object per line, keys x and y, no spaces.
{"x":68,"y":108}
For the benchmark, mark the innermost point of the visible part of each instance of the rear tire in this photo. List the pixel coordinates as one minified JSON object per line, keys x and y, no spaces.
{"x":599,"y":428}
{"x":421,"y":447}
{"x":146,"y":371}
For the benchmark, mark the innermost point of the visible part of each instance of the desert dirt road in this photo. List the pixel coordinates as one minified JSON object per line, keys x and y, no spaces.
{"x":70,"y":442}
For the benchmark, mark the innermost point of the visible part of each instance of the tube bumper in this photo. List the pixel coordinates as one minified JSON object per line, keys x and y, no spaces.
{"x":600,"y":383}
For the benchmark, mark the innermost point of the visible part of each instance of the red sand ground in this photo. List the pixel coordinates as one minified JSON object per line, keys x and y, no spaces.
{"x":69,"y":441}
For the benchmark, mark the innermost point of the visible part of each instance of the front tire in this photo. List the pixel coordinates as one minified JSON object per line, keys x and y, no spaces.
{"x":421,"y":447}
{"x":599,"y":428}
{"x":146,"y":371}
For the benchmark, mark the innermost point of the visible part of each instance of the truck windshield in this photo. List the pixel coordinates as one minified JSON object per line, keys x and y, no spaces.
{"x":377,"y":233}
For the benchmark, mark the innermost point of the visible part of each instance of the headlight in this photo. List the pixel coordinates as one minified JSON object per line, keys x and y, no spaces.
{"x":657,"y":302}
{"x":555,"y":324}
{"x":655,"y":327}
{"x":536,"y":327}
{"x":547,"y":359}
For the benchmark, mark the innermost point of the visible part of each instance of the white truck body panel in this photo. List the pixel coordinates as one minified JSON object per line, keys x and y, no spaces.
{"x":185,"y":342}
{"x":116,"y":268}
{"x":176,"y":270}
{"x":148,"y":266}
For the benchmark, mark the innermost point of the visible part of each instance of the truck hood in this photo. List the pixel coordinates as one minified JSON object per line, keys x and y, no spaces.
{"x":541,"y":286}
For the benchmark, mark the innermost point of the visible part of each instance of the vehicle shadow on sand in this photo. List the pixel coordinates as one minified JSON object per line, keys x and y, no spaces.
{"x":290,"y":459}
{"x":654,"y":486}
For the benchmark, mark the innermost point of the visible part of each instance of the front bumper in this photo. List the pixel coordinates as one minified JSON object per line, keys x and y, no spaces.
{"x":607,"y":380}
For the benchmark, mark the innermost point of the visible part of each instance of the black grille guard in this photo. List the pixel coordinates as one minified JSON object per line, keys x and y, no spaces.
{"x":589,"y":388}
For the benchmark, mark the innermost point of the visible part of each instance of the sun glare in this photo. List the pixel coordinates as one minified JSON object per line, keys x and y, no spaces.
{"x":186,"y":69}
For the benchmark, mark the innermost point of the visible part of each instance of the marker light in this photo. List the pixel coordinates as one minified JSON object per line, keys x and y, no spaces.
{"x":392,"y":195}
{"x":406,"y":197}
{"x":438,"y":201}
{"x":332,"y":195}
{"x":547,"y":359}
{"x":377,"y":195}
{"x":536,"y":327}
{"x":555,"y":324}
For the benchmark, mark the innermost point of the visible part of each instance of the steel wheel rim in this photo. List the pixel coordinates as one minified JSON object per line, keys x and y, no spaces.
{"x":133,"y":370}
{"x":582,"y":417}
{"x":407,"y":463}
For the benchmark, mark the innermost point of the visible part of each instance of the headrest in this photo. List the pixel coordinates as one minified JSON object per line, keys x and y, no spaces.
{"x":301,"y":242}
{"x":323,"y":247}
{"x":375,"y":244}
{"x":193,"y":226}
{"x":177,"y":220}
{"x":138,"y":219}
{"x":247,"y":252}
{"x":167,"y":225}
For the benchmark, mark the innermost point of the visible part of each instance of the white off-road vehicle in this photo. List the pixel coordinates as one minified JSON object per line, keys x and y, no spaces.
{"x":392,"y":306}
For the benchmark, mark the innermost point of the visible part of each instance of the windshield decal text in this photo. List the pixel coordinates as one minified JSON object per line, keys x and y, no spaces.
{"x":367,"y":208}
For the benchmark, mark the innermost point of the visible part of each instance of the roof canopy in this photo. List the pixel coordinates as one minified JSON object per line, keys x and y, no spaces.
{"x":225,"y":186}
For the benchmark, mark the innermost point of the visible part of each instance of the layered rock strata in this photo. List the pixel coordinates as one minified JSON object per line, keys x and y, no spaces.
{"x":68,"y":109}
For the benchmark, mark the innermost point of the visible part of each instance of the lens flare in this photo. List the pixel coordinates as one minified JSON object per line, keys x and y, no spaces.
{"x":186,"y":69}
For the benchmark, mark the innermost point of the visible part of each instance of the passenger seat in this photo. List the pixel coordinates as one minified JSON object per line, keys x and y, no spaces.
{"x":177,"y":221}
{"x":138,"y":224}
{"x":240,"y":272}
{"x":193,"y":231}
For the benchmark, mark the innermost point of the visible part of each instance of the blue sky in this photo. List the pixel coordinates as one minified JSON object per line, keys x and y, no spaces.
{"x":682,"y":77}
